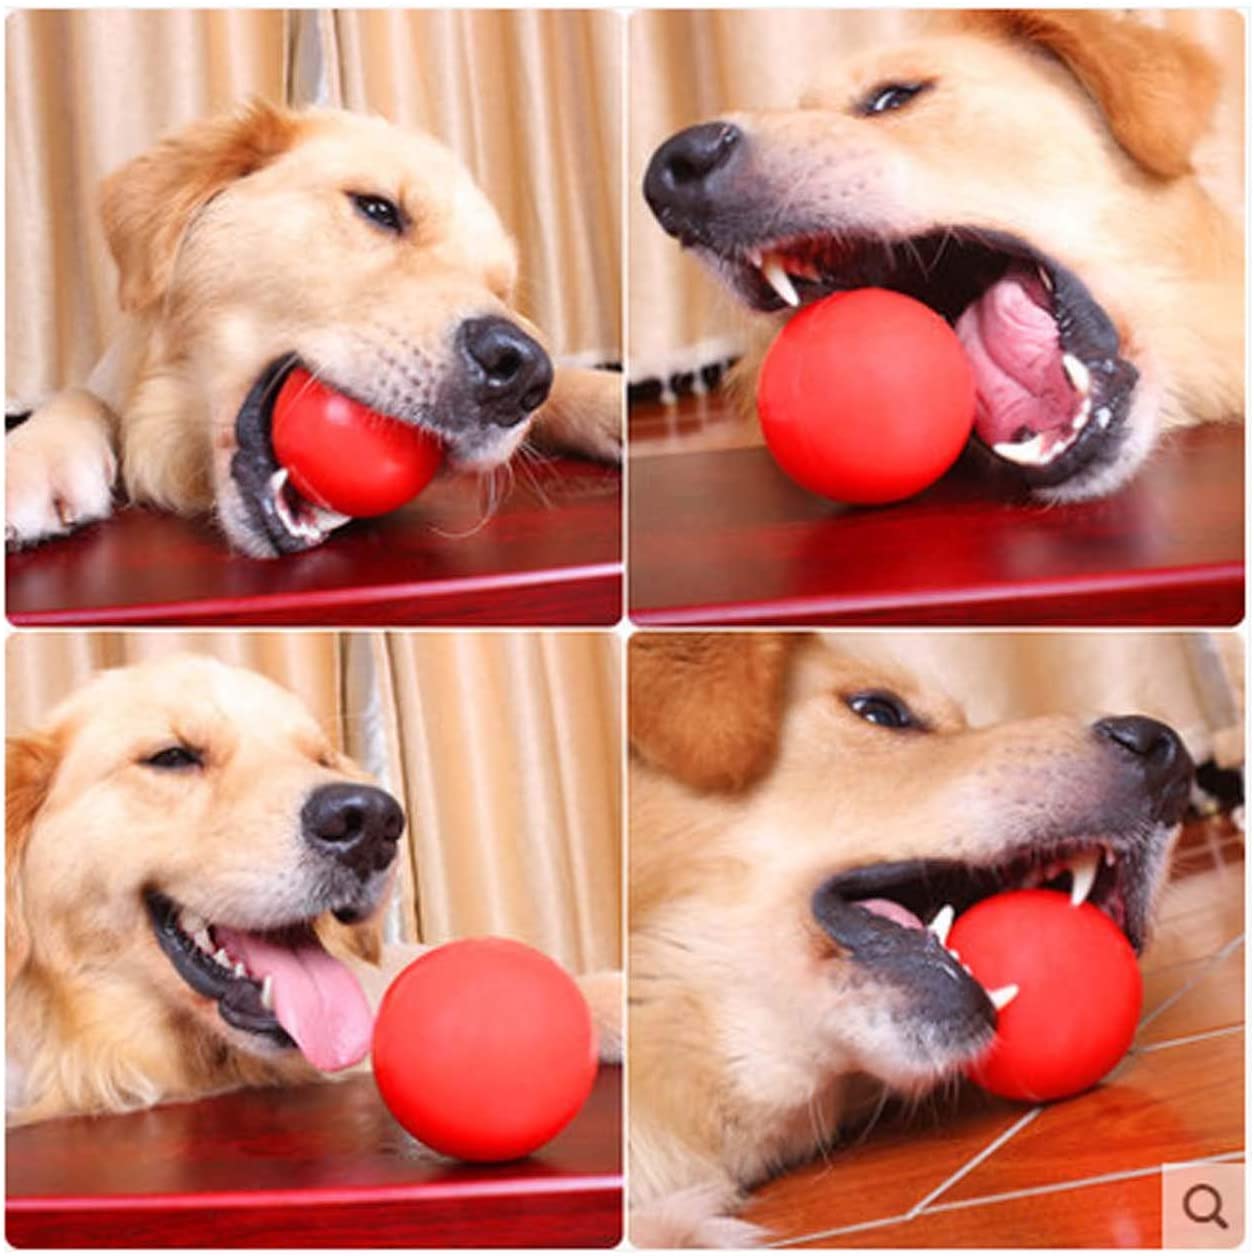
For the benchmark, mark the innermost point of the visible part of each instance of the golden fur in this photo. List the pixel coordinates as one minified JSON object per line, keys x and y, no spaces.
{"x":1075,"y":131}
{"x":97,"y":1018}
{"x":236,"y":244}
{"x":751,"y":1033}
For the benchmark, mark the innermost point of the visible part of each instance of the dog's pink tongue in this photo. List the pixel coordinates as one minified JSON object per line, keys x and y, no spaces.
{"x":316,"y":999}
{"x":893,"y":911}
{"x":1011,"y":340}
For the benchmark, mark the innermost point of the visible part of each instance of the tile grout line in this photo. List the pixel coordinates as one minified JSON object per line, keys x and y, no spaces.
{"x":1180,"y":1042}
{"x":1220,"y":955}
{"x":1004,"y":1137}
{"x":980,"y":1200}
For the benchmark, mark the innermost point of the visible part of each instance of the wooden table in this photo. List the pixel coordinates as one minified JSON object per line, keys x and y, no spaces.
{"x":721,"y":536}
{"x":316,"y":1166}
{"x":550,"y":554}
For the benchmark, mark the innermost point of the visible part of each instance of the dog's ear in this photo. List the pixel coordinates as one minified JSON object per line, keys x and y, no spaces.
{"x":29,"y":766}
{"x":149,"y":203}
{"x":1156,"y":89}
{"x":706,"y":707}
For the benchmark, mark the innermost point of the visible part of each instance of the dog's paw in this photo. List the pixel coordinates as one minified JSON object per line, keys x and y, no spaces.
{"x":583,"y":415}
{"x":60,"y":469}
{"x":604,"y":992}
{"x":695,"y":1217}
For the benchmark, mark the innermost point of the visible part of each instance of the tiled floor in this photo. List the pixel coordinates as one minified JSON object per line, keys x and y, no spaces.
{"x":976,"y":1171}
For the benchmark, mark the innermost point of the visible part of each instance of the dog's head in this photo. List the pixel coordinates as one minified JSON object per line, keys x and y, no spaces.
{"x":366,"y":253}
{"x":801,"y":818}
{"x":184,"y":844}
{"x":1028,"y":176}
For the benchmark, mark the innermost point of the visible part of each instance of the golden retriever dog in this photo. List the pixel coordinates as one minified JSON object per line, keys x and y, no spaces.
{"x":193,"y":878}
{"x":250,"y":243}
{"x":1030,"y":176}
{"x":803,"y":828}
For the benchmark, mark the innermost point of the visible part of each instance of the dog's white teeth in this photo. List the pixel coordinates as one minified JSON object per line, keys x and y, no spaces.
{"x":221,"y":957}
{"x":191,"y":922}
{"x":1083,"y":874}
{"x":239,"y":970}
{"x":1103,"y":417}
{"x":1002,"y":996}
{"x":777,"y":277}
{"x":203,"y":940}
{"x":1076,"y":372}
{"x":1046,"y":278}
{"x":1081,"y":415}
{"x":754,"y":257}
{"x":1110,"y":857}
{"x":1026,"y":453}
{"x":966,"y":968}
{"x":329,"y":520}
{"x":941,"y":923}
{"x":954,"y":953}
{"x":267,"y":994}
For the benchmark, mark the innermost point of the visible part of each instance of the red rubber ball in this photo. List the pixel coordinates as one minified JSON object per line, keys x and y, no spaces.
{"x":484,"y":1049}
{"x":866,"y":397}
{"x":1079,"y":994}
{"x":343,"y":455}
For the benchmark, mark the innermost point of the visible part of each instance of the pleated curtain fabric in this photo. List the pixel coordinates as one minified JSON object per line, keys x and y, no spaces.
{"x":530,"y":100}
{"x":504,"y":747}
{"x":689,"y":66}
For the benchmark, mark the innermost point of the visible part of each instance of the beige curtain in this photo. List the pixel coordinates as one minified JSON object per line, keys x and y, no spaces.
{"x":687,"y":67}
{"x":1193,"y":681}
{"x":530,"y":100}
{"x":505,"y":748}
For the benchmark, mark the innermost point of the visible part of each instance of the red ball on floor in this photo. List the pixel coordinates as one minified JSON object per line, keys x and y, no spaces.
{"x":484,"y":1049}
{"x":342,"y":455}
{"x":866,"y":397}
{"x":1079,"y":992}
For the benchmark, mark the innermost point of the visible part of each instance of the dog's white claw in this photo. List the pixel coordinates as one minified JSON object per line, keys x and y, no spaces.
{"x":221,"y":957}
{"x":1003,"y":995}
{"x":941,"y":923}
{"x":267,"y":994}
{"x":1083,"y":874}
{"x":777,"y":277}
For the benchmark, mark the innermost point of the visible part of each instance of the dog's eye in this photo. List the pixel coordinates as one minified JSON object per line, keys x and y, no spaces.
{"x":378,"y":210}
{"x":174,"y":758}
{"x":885,"y":709}
{"x":886,"y":97}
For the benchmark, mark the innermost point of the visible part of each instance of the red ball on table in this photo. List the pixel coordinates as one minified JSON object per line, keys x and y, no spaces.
{"x":866,"y":397}
{"x":344,"y":456}
{"x":1079,"y":998}
{"x":484,"y":1049}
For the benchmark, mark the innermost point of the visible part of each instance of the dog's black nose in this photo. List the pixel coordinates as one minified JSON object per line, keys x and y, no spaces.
{"x":510,"y":374}
{"x":356,"y":825}
{"x":1159,"y":754}
{"x":683,"y":176}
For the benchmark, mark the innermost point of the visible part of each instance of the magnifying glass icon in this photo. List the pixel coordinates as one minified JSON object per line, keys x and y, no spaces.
{"x":1208,"y":1209}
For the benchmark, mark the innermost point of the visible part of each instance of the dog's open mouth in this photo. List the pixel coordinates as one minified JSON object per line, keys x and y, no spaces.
{"x":1052,"y":391}
{"x":278,"y":984}
{"x":894,"y":918}
{"x":275,"y":508}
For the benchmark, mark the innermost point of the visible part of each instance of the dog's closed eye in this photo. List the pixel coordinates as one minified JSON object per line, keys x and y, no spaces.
{"x":175,"y":758}
{"x":379,"y":211}
{"x":878,"y":706}
{"x":888,"y":97}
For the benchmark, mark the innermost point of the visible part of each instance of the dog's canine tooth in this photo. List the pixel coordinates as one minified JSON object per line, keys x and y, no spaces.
{"x":203,"y":940}
{"x":754,"y":258}
{"x":1003,"y":995}
{"x":1076,"y":372}
{"x":267,"y":994}
{"x":239,"y":970}
{"x":777,"y":277}
{"x":1083,"y":874}
{"x":221,"y":957}
{"x":941,"y":923}
{"x":1027,"y":453}
{"x":1110,"y":857}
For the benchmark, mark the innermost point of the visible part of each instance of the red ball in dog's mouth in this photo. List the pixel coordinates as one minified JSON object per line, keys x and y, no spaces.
{"x":345,"y":457}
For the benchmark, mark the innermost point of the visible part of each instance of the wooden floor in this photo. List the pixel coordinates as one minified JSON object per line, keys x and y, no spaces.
{"x":720,"y":536}
{"x":975,"y":1171}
